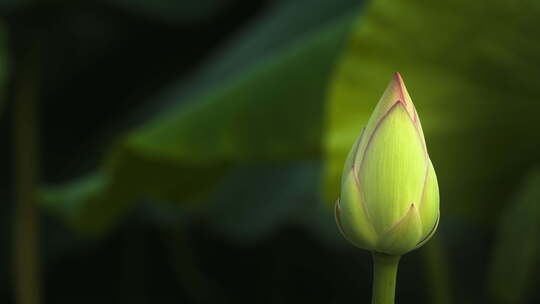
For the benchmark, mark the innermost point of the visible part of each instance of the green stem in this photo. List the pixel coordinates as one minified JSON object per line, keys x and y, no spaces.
{"x":26,"y":266}
{"x":187,"y":267}
{"x":384,"y":278}
{"x":438,"y":271}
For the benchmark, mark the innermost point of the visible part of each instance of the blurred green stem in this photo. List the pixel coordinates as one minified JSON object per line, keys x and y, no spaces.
{"x":384,"y":278}
{"x":187,"y":267}
{"x":26,"y":227}
{"x":438,"y":272}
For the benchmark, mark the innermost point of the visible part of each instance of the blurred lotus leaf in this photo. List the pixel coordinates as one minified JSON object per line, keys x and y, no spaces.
{"x":470,"y":95}
{"x":269,"y":111}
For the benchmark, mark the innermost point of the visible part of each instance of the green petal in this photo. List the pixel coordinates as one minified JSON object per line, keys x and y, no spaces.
{"x":429,"y":206}
{"x":430,"y":234}
{"x":395,"y":92}
{"x":352,"y":216}
{"x":404,"y":236}
{"x":392,"y":172}
{"x":349,"y":163}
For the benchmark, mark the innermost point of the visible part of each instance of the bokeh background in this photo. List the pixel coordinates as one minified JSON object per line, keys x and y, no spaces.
{"x":160,"y":151}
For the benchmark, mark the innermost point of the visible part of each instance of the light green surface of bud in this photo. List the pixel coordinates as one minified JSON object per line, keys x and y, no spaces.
{"x":389,"y":199}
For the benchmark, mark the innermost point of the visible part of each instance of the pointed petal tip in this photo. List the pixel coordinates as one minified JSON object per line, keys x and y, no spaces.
{"x":397,"y":77}
{"x":392,"y":95}
{"x":404,"y":235}
{"x":398,"y":81}
{"x":412,"y":208}
{"x":400,"y":84}
{"x":402,"y":95}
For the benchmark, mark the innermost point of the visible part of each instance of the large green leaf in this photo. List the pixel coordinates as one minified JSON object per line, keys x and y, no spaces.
{"x":516,"y":256}
{"x":268,"y":112}
{"x":473,"y":79}
{"x":254,"y":201}
{"x":278,"y":29}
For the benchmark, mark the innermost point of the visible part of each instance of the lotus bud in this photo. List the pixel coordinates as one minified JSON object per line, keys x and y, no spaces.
{"x":389,"y":200}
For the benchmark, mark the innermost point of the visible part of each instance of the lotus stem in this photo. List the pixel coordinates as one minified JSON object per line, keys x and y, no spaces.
{"x":26,"y":264}
{"x":384,"y":278}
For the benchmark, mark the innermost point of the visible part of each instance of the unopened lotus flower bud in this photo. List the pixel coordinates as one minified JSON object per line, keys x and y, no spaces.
{"x":389,"y":199}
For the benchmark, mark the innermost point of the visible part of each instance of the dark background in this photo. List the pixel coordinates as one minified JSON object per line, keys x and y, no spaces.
{"x":262,"y":231}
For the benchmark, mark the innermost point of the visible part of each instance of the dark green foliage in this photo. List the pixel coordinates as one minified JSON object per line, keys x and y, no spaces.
{"x":223,"y":169}
{"x":270,"y":111}
{"x":4,"y":68}
{"x":516,"y":256}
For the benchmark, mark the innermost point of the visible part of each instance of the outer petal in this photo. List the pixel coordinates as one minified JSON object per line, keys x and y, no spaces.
{"x":351,"y":157}
{"x":352,"y":217}
{"x":429,"y":205}
{"x":392,"y":172}
{"x":404,"y":236}
{"x":396,"y":92}
{"x":430,"y":234}
{"x":419,"y":128}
